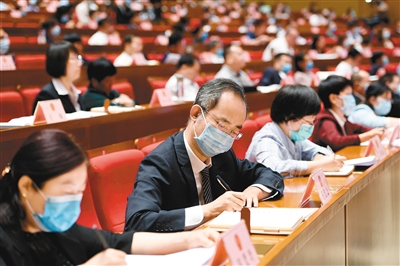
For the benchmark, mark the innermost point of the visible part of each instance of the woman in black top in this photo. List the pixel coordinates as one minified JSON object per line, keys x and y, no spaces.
{"x":40,"y":196}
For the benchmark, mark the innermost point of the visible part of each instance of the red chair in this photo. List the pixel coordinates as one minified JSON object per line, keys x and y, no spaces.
{"x":17,"y":39}
{"x":241,"y":145}
{"x":147,"y":149}
{"x":83,"y":89}
{"x":88,"y":216}
{"x":157,"y":83}
{"x":125,"y":88}
{"x":30,"y":61}
{"x":262,"y":120}
{"x":11,"y":106}
{"x":111,"y":179}
{"x":29,"y":96}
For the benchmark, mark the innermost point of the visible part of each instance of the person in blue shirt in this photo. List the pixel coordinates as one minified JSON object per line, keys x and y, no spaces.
{"x":377,"y":105}
{"x":281,"y":65}
{"x":283,"y":144}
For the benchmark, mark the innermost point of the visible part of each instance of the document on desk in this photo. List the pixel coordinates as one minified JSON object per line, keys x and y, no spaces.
{"x":363,"y":161}
{"x":344,"y":171}
{"x":272,"y":221}
{"x":194,"y":257}
{"x":117,"y":109}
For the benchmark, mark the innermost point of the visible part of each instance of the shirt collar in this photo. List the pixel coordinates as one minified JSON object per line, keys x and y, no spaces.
{"x":197,"y":164}
{"x":61,"y":90}
{"x":235,"y":74}
{"x":337,"y":117}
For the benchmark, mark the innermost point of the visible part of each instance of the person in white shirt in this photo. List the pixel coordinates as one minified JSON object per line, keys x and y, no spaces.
{"x":105,"y":34}
{"x":232,"y":69}
{"x":188,"y":69}
{"x":132,"y":54}
{"x":347,"y":67}
{"x":281,"y":45}
{"x":176,"y":47}
{"x":214,"y":55}
{"x":82,"y":12}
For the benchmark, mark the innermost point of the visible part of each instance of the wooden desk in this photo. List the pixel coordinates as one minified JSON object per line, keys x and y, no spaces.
{"x":359,"y":226}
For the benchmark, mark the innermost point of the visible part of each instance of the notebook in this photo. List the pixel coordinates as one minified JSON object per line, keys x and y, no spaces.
{"x":363,"y":161}
{"x":274,"y":221}
{"x":344,"y":171}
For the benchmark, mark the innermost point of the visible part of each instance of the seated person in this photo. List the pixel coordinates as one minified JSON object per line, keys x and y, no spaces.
{"x":353,"y":35}
{"x":360,"y":82}
{"x":176,"y":187}
{"x":256,"y":36}
{"x":232,"y":69}
{"x":283,"y":145}
{"x":76,"y":40}
{"x":101,"y":74}
{"x":319,"y":45}
{"x":378,"y":60}
{"x":214,"y":55}
{"x":40,"y":197}
{"x":188,"y":69}
{"x":176,"y":47}
{"x":303,"y":74}
{"x":284,"y":44}
{"x":332,"y":128}
{"x":63,"y":64}
{"x":132,"y":54}
{"x":281,"y":65}
{"x":392,"y":81}
{"x":50,"y":32}
{"x":105,"y":34}
{"x":4,"y":42}
{"x":348,"y":66}
{"x":378,"y":104}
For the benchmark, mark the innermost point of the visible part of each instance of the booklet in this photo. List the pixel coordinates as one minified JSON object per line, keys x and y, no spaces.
{"x":363,"y":161}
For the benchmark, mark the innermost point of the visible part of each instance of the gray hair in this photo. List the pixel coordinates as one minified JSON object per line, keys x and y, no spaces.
{"x":211,"y":92}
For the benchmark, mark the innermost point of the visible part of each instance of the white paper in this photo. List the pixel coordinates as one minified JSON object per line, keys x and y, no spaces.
{"x":116,"y":109}
{"x":193,"y":257}
{"x":270,"y":88}
{"x":385,"y":143}
{"x":344,"y":171}
{"x":363,"y":161}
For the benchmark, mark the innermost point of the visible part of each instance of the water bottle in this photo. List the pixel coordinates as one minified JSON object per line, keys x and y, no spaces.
{"x":179,"y":88}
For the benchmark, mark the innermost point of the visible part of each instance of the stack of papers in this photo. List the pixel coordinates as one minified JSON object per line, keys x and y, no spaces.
{"x":195,"y":257}
{"x":364,"y":161}
{"x":385,"y":143}
{"x":344,"y":171}
{"x":276,"y":221}
{"x":270,"y":88}
{"x":116,"y":109}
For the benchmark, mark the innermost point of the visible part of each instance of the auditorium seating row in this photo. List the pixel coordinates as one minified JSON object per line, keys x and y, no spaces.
{"x":20,"y":103}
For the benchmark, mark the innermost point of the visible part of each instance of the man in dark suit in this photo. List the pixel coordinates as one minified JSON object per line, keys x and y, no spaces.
{"x":178,"y":185}
{"x":281,"y":65}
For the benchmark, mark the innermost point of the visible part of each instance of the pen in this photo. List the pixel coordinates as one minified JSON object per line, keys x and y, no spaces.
{"x":223,"y":183}
{"x":330,"y":149}
{"x":100,"y":237}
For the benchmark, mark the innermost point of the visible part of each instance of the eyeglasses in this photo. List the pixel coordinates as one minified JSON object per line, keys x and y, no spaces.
{"x":78,"y":58}
{"x":236,"y":134}
{"x":307,"y":122}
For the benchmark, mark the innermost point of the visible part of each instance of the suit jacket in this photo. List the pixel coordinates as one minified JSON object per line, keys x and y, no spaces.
{"x":78,"y":244}
{"x":48,"y":92}
{"x":165,"y":185}
{"x":395,"y":111}
{"x":270,"y":76}
{"x":327,"y":131}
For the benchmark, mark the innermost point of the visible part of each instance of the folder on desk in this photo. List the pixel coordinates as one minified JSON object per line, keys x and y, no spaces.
{"x":363,"y":161}
{"x":344,"y":171}
{"x":273,"y":221}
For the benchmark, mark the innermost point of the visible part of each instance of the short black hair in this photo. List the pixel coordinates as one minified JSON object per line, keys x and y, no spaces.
{"x":332,"y":85}
{"x":72,"y":37}
{"x":227,"y":50}
{"x":314,"y":42}
{"x":212,"y":44}
{"x":353,"y":53}
{"x":258,"y":22}
{"x":100,"y":68}
{"x":48,"y":24}
{"x":376,"y":56}
{"x":103,"y":21}
{"x":294,"y":102}
{"x":129,"y":38}
{"x":57,"y":57}
{"x":175,"y":38}
{"x":278,"y":56}
{"x":375,"y":89}
{"x":297,"y":59}
{"x":388,"y":77}
{"x":186,"y":59}
{"x":352,"y":24}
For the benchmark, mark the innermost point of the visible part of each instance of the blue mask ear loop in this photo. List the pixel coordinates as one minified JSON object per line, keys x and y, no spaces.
{"x":40,"y":192}
{"x":202,"y":113}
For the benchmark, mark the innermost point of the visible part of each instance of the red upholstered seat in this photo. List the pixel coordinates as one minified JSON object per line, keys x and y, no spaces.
{"x":11,"y":106}
{"x":262,"y":120}
{"x":111,"y":178}
{"x":158,"y":83}
{"x":147,"y":149}
{"x":241,"y":145}
{"x":125,"y":88}
{"x":83,"y":89}
{"x":29,"y":96}
{"x":88,"y":216}
{"x":30,"y":61}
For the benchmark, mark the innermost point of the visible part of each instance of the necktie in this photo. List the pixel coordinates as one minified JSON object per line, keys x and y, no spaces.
{"x":206,"y":185}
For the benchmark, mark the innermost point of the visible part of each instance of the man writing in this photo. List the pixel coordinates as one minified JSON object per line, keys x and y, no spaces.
{"x":177,"y":188}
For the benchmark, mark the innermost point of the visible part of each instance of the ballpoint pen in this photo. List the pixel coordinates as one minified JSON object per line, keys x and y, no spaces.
{"x":223,"y":183}
{"x":100,"y":237}
{"x":330,"y":149}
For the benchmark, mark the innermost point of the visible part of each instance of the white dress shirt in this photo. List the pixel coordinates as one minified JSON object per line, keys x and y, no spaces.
{"x":190,"y":88}
{"x":240,"y":78}
{"x":98,"y":38}
{"x":61,"y":90}
{"x":124,"y":59}
{"x":276,"y":46}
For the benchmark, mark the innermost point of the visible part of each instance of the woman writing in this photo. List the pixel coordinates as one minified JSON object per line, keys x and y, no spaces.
{"x":40,"y":196}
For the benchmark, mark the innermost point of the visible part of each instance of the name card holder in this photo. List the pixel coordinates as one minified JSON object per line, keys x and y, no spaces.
{"x":318,"y":179}
{"x":50,"y":111}
{"x":7,"y":63}
{"x":161,"y":97}
{"x":395,"y":135}
{"x":376,"y":144}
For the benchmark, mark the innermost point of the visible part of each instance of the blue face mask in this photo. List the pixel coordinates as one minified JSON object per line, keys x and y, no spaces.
{"x":304,"y":132}
{"x":309,"y":65}
{"x":203,"y":36}
{"x":213,"y":141}
{"x":383,"y":107}
{"x":220,"y":52}
{"x":386,"y":34}
{"x":55,"y":31}
{"x":349,"y":103}
{"x":33,"y":2}
{"x":398,"y":90}
{"x":286,"y":68}
{"x":60,"y":212}
{"x":385,"y":61}
{"x":4,"y":45}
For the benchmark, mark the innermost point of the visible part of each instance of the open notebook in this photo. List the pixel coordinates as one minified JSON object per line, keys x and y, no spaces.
{"x":274,"y":221}
{"x":363,"y":161}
